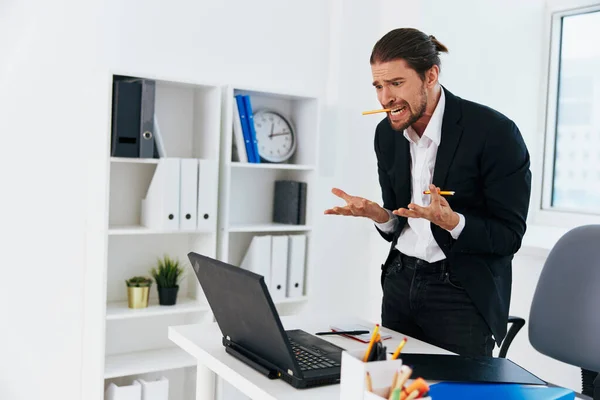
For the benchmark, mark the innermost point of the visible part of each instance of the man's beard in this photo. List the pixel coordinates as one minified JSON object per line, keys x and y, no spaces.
{"x":414,"y":117}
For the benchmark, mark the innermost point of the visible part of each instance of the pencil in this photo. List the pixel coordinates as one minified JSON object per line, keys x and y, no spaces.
{"x":442,"y":192}
{"x":376,"y":111}
{"x":369,"y":382}
{"x":394,"y":380}
{"x":359,"y":332}
{"x":371,"y":343}
{"x":418,"y":384}
{"x":399,"y":349}
{"x":413,"y":395}
{"x":403,"y":376}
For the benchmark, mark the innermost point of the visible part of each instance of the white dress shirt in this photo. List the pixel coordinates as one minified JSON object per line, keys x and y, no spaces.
{"x":416,"y":238}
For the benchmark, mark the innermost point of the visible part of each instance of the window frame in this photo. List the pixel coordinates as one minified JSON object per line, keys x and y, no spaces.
{"x":543,"y":213}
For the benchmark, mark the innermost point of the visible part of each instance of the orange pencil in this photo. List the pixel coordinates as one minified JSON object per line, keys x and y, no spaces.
{"x":376,"y":111}
{"x":399,"y":349}
{"x":371,"y":343}
{"x":418,"y":384}
{"x":442,"y":192}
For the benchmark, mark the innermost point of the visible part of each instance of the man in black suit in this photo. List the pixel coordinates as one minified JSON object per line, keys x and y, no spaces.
{"x":447,"y":278}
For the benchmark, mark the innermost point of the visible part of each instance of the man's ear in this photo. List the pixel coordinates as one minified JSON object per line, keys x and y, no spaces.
{"x":432,"y":75}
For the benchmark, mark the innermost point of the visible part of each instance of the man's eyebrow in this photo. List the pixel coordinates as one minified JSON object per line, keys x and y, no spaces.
{"x":389,"y":80}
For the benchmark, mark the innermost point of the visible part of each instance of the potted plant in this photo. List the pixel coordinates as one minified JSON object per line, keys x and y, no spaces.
{"x":138,"y":290}
{"x":167,"y":276}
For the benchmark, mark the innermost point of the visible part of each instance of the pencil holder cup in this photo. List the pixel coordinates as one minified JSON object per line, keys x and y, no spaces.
{"x":377,"y":395}
{"x":353,"y":384}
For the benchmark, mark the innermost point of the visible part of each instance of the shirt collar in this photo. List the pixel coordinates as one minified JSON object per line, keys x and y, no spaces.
{"x":433,"y":130}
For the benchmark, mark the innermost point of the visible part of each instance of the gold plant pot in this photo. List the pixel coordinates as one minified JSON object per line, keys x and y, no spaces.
{"x":137,"y":297}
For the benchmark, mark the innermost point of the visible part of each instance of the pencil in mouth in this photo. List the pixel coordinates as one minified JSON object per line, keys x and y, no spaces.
{"x":392,"y":111}
{"x":376,"y":111}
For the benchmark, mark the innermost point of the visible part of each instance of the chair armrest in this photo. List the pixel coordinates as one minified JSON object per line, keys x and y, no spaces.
{"x":516,"y":324}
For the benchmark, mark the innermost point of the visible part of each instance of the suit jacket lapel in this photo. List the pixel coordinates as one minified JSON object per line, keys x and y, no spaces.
{"x":402,"y":171}
{"x":402,"y":182}
{"x":451,"y":133}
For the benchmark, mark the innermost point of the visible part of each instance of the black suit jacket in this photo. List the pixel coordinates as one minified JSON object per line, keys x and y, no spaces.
{"x":483,"y":158}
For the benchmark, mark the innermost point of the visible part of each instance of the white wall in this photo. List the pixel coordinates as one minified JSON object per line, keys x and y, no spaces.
{"x":48,"y":109}
{"x":495,"y":54}
{"x":343,"y":251}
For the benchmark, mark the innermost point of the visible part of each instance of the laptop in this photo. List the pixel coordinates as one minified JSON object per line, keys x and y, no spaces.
{"x":253,"y":333}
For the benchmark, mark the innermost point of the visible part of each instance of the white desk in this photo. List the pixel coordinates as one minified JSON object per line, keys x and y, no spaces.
{"x":204,"y":343}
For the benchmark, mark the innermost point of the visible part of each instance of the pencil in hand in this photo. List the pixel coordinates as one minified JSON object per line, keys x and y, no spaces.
{"x":442,"y":192}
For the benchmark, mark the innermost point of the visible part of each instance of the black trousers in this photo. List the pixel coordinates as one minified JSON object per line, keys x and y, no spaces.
{"x":425,"y":301}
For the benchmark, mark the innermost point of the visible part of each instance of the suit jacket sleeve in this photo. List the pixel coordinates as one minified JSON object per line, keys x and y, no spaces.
{"x":506,"y":189}
{"x":387,"y":190}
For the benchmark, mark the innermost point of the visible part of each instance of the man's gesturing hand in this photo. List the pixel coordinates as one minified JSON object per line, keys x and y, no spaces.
{"x":358,"y":207}
{"x":438,"y":212}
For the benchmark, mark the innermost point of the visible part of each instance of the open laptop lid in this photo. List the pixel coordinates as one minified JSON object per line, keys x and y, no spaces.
{"x":244,"y":310}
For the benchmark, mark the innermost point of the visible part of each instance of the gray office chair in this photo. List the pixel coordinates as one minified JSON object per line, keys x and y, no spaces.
{"x":564,"y":321}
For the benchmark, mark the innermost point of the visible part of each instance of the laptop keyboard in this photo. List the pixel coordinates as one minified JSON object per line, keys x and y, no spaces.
{"x":309,"y":360}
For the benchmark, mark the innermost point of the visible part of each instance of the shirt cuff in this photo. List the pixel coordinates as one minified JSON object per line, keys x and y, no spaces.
{"x":455,"y":233}
{"x":389,"y":225}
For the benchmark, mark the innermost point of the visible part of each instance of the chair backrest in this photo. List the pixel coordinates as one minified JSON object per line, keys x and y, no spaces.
{"x":564,"y":322}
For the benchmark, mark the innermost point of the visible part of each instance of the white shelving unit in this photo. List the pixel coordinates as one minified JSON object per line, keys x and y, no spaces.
{"x":144,"y":362}
{"x":142,"y":230}
{"x":246,"y":190}
{"x":136,"y":342}
{"x":237,"y":164}
{"x":195,"y":121}
{"x":273,"y":227}
{"x":120,"y":310}
{"x":134,"y":160}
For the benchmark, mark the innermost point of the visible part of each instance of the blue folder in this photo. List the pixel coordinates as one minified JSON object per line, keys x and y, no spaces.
{"x":251,"y":127}
{"x":241,"y":103}
{"x":497,"y":391}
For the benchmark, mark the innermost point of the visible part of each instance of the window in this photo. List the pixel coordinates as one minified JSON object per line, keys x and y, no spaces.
{"x":572,"y":151}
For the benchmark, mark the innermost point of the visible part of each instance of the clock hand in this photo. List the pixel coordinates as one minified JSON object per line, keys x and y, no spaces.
{"x":272,"y":126}
{"x":279,"y":134}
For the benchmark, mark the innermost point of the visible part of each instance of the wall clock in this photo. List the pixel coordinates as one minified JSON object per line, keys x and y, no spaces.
{"x":275,"y":136}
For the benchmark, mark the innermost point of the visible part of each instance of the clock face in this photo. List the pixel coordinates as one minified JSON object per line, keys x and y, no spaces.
{"x":274,"y":135}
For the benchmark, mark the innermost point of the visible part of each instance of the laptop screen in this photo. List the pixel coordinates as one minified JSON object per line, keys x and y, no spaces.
{"x":243,"y":309}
